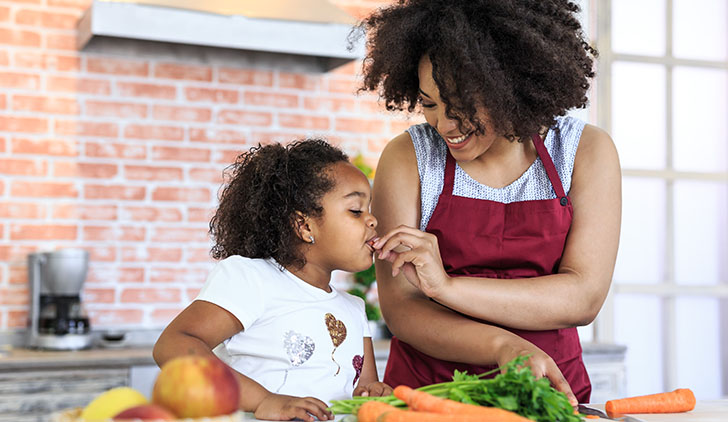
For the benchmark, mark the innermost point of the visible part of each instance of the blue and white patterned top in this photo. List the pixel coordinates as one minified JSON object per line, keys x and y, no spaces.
{"x":533,"y":184}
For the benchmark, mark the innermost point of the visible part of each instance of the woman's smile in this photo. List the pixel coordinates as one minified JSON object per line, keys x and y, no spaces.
{"x":458,"y":142}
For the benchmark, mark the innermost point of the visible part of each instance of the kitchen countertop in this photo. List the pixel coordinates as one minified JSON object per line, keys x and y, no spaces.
{"x":22,"y":358}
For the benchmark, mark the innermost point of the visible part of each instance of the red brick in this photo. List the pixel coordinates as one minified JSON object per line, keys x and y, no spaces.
{"x":398,"y":126}
{"x":76,"y":4}
{"x":213,"y":175}
{"x":45,"y":104}
{"x":85,"y":170}
{"x":60,"y":41}
{"x":14,"y":295}
{"x":17,"y":319}
{"x":16,"y":254}
{"x":359,"y":125}
{"x":79,"y":85}
{"x":182,"y":71}
{"x":195,"y":254}
{"x":147,"y":90}
{"x":193,"y":292}
{"x":185,"y":114}
{"x":164,"y":316}
{"x":377,"y":144}
{"x":181,"y":194}
{"x":18,"y":274}
{"x":155,"y":132}
{"x":244,"y":118}
{"x":40,"y":60}
{"x":301,"y":121}
{"x":330,"y":104}
{"x":178,"y":275}
{"x":298,"y":81}
{"x":271,"y":99}
{"x":3,"y":102}
{"x":343,"y":86}
{"x":179,"y":234}
{"x":196,"y":215}
{"x":116,"y":150}
{"x":16,"y":210}
{"x":84,"y":212}
{"x":180,"y":154}
{"x":220,"y":136}
{"x":226,"y":156}
{"x":4,"y":14}
{"x":21,"y":188}
{"x":151,"y":295}
{"x":118,"y":192}
{"x":116,"y":109}
{"x":86,"y":128}
{"x":115,"y":317}
{"x":114,"y":233}
{"x":98,"y":275}
{"x":4,"y":58}
{"x":351,"y":68}
{"x":46,"y":19}
{"x":43,"y":232}
{"x":19,"y":80}
{"x":143,"y":254}
{"x":20,"y":167}
{"x":151,"y":173}
{"x":59,"y":147}
{"x":211,"y":95}
{"x":245,"y":77}
{"x":98,"y":253}
{"x":151,"y":214}
{"x":20,"y":37}
{"x":91,"y":295}
{"x":117,"y":66}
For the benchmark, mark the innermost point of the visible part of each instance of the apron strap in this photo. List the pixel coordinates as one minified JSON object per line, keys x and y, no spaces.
{"x":449,"y":179}
{"x":548,"y":164}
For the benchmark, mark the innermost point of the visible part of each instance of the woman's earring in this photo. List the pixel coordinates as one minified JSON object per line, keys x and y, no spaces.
{"x":312,"y":241}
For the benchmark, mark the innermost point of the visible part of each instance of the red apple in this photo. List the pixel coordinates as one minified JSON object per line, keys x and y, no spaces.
{"x":146,"y":412}
{"x":196,"y":387}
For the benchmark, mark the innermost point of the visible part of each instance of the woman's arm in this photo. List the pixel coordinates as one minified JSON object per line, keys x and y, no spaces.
{"x":571,"y":297}
{"x":202,"y":326}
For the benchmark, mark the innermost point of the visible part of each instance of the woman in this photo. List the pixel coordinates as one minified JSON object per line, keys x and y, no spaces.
{"x":501,"y":215}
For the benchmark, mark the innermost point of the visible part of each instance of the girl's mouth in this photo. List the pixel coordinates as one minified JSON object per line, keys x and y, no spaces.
{"x":370,"y":242}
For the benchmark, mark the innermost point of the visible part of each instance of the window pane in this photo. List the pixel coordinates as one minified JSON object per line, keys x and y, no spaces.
{"x":638,"y":27}
{"x":701,"y":236}
{"x":642,"y":239}
{"x":699,"y":120}
{"x":699,"y":29}
{"x":698,"y":346}
{"x":638,"y":114}
{"x":637,"y":325}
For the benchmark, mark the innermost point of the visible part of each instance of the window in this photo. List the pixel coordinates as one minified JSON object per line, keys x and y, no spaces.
{"x":662,"y":93}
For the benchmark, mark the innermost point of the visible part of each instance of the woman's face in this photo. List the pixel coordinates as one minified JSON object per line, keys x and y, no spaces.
{"x":464,"y":145}
{"x":347,"y":223}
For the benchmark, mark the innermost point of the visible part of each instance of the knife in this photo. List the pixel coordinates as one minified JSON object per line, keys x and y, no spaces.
{"x":586,"y":410}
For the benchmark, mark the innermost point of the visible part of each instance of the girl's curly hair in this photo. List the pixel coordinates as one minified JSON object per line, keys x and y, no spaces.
{"x":524,"y":61}
{"x":265,"y":189}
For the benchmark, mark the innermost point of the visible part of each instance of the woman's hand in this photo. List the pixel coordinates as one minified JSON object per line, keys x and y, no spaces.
{"x":373,"y":389}
{"x":279,"y":407}
{"x":421,"y":264}
{"x":541,"y":364}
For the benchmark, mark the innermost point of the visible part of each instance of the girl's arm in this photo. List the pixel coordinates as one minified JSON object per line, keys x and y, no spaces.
{"x":201,"y":327}
{"x":570,"y":298}
{"x":369,"y":384}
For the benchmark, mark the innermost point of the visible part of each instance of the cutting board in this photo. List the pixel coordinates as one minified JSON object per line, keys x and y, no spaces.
{"x":705,"y":411}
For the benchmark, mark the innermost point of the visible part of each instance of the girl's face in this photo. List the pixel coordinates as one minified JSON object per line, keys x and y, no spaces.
{"x":464,"y":146}
{"x":341,"y":234}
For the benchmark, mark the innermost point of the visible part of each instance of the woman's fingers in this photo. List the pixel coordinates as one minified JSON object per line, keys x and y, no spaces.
{"x":379,"y":244}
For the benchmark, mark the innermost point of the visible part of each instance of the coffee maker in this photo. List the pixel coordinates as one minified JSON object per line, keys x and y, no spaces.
{"x":57,"y":321}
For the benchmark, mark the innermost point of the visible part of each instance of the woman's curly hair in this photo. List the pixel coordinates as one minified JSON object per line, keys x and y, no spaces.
{"x":524,"y":61}
{"x":265,"y":189}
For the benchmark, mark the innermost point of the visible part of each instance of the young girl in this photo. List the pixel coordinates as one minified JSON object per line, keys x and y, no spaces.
{"x":287,"y":218}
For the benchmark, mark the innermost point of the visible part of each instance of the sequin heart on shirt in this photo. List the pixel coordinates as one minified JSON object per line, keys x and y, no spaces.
{"x":298,"y":347}
{"x":337,"y":331}
{"x":358,"y":363}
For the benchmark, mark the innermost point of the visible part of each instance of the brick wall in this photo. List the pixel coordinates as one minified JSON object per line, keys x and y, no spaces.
{"x":119,"y":149}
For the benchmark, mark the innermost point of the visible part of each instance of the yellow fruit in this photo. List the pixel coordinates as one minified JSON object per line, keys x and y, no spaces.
{"x":110,"y":403}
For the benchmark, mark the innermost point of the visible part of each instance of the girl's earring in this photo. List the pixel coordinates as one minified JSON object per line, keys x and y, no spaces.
{"x":312,"y":241}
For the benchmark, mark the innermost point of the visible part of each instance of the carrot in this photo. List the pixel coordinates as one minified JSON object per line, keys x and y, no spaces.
{"x":414,"y":416}
{"x":425,"y":402}
{"x":680,"y":400}
{"x":371,"y":410}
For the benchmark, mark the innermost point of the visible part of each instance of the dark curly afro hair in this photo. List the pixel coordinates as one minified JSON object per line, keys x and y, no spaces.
{"x":264,"y":190}
{"x":524,"y":61}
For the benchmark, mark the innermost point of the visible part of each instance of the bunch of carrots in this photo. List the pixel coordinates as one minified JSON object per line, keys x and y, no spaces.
{"x":425,"y":407}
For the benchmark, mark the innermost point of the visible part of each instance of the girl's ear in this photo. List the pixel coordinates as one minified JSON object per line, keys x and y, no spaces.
{"x":303,"y":227}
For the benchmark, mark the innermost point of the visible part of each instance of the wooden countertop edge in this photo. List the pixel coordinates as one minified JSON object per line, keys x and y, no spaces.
{"x":35,"y":359}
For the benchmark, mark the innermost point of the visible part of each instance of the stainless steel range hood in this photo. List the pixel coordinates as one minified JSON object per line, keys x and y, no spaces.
{"x":304,"y":27}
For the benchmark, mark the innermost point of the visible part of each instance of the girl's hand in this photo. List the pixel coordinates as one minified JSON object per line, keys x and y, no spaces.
{"x":541,"y":364}
{"x":278,"y":407}
{"x":421,"y":264}
{"x":374,"y":389}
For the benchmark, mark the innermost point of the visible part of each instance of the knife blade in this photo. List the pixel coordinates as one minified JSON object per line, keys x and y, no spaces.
{"x":587,"y":410}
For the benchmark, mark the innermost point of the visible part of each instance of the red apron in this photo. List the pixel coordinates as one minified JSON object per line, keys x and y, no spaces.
{"x":482,"y":238}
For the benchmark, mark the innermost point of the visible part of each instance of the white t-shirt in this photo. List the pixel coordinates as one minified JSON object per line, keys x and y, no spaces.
{"x":297,"y":339}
